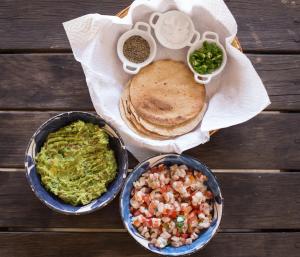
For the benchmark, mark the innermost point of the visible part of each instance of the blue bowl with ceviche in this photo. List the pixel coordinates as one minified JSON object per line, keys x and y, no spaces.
{"x":171,"y":204}
{"x":76,"y":163}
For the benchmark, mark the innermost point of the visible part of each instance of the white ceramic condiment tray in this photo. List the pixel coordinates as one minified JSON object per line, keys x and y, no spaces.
{"x":174,"y":29}
{"x":140,"y":29}
{"x":208,"y":36}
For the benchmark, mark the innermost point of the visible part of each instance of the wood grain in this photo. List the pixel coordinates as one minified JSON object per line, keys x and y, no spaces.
{"x":252,"y":201}
{"x":57,"y":82}
{"x":268,"y":141}
{"x":120,"y":244}
{"x":37,"y":24}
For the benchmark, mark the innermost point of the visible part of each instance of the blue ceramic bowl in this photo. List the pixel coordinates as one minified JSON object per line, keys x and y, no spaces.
{"x":37,"y":141}
{"x":169,"y":159}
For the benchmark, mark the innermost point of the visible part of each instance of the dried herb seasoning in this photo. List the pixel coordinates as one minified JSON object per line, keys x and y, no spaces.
{"x":136,"y":49}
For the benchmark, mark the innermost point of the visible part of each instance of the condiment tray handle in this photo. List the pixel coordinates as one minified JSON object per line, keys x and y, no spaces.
{"x":153,"y":17}
{"x":130,"y":69}
{"x":211,"y":35}
{"x":202,"y":80}
{"x":140,"y":25}
{"x":194,"y":38}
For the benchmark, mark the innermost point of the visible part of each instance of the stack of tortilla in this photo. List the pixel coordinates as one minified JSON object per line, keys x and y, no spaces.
{"x":163,"y":100}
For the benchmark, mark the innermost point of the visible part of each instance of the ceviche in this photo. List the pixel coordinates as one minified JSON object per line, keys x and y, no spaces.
{"x":171,"y":205}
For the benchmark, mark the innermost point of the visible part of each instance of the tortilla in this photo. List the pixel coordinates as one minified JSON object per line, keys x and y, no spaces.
{"x":164,"y":93}
{"x":170,"y":131}
{"x":133,"y":124}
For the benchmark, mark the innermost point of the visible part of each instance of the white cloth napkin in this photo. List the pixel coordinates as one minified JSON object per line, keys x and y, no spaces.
{"x":235,"y":96}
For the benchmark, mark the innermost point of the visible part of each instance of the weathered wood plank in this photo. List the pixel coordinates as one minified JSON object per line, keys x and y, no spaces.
{"x":120,"y":244}
{"x":41,"y":81}
{"x":268,"y":141}
{"x":36,"y":24}
{"x":56,"y":82}
{"x":252,"y":201}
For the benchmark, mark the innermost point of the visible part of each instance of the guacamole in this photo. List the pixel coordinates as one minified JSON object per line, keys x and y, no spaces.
{"x":76,"y":163}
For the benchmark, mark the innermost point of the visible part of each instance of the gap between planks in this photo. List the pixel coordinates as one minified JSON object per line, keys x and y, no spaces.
{"x":214,"y":170}
{"x":100,"y":230}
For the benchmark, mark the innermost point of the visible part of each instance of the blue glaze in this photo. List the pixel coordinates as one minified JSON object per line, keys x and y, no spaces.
{"x":37,"y":141}
{"x":169,"y":159}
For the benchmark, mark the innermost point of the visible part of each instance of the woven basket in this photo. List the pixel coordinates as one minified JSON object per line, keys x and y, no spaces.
{"x":235,"y":43}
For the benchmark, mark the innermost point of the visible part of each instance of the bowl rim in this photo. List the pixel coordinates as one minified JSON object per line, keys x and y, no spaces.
{"x":120,"y":186}
{"x":192,"y":251}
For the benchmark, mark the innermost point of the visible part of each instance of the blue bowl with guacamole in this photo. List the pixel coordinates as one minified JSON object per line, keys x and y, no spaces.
{"x":76,"y":163}
{"x":169,"y":159}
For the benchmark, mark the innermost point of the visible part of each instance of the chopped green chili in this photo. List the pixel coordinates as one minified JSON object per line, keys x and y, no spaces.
{"x":180,"y":222}
{"x":206,"y":59}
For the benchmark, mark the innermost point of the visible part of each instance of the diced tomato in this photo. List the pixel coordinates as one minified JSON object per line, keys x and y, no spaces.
{"x":154,"y":169}
{"x":185,"y":236}
{"x":201,"y":207}
{"x":172,"y":214}
{"x":161,"y":167}
{"x":192,"y":215}
{"x":152,"y":208}
{"x":165,"y":189}
{"x":146,"y":199}
{"x":178,"y":234}
{"x":136,"y":213}
{"x":199,"y":211}
{"x":149,"y":223}
{"x":208,"y":194}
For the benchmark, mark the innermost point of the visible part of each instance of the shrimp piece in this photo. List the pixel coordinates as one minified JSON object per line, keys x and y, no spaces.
{"x":199,"y":176}
{"x":166,"y":219}
{"x":198,"y":186}
{"x":153,"y":241}
{"x":189,"y":180}
{"x":177,"y":206}
{"x":139,"y":196}
{"x":192,"y":220}
{"x":153,"y":207}
{"x":172,"y":225}
{"x":180,"y":188}
{"x":198,"y":198}
{"x":140,"y":183}
{"x":134,"y":204}
{"x":169,"y":197}
{"x":147,"y":235}
{"x":154,"y":233}
{"x":145,"y":211}
{"x":176,"y":244}
{"x":204,"y":221}
{"x":160,"y":209}
{"x":205,"y":208}
{"x":144,"y":231}
{"x":165,"y":235}
{"x":161,"y":242}
{"x":156,"y":222}
{"x":164,"y":178}
{"x":178,"y":172}
{"x":194,"y":236}
{"x":138,"y":220}
{"x":175,"y":238}
{"x":186,"y":208}
{"x":153,"y":181}
{"x":155,"y":194}
{"x":188,"y":241}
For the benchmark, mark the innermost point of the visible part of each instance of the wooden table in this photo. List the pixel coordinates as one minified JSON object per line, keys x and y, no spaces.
{"x":257,"y":163}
